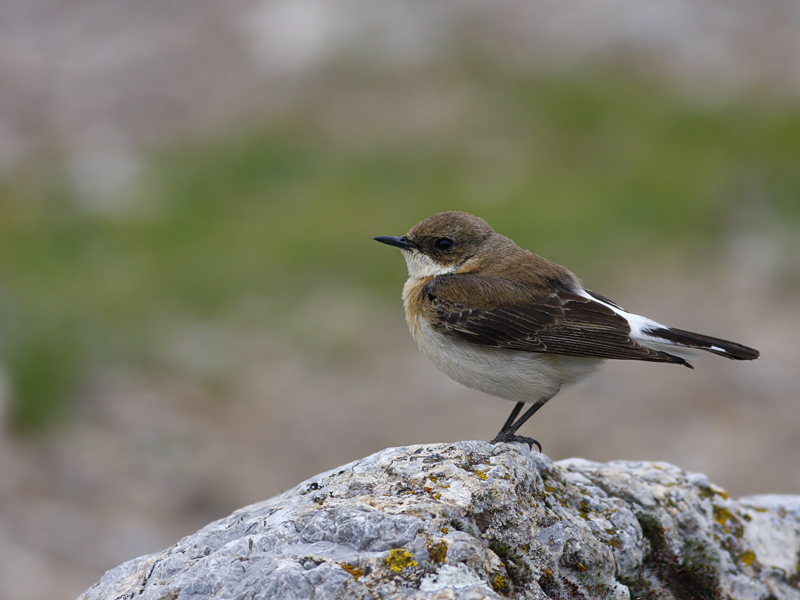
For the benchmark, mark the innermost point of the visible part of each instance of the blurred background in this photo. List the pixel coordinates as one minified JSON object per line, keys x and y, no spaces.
{"x":193,"y":314}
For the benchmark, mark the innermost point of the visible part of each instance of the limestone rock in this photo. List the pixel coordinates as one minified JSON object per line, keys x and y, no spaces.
{"x":470,"y":520}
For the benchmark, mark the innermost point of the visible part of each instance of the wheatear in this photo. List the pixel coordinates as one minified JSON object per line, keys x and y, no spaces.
{"x":502,"y":320}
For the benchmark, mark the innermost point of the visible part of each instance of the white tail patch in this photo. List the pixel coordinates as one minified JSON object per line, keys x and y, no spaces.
{"x":641,"y":328}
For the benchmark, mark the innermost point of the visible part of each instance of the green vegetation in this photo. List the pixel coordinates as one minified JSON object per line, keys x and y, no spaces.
{"x":582,"y":169}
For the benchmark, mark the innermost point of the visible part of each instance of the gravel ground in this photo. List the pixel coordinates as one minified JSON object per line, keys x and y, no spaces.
{"x":99,"y":79}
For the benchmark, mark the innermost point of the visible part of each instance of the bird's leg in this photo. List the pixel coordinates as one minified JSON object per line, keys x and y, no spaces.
{"x":509,"y":431}
{"x":513,"y":415}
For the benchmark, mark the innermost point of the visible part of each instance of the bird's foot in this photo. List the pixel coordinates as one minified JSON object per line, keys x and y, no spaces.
{"x":506,"y":436}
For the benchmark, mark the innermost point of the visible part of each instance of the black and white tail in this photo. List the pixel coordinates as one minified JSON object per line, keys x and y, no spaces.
{"x":687,"y":339}
{"x":676,"y":342}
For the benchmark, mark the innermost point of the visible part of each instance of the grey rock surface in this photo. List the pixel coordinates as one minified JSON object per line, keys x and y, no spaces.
{"x":472,"y":520}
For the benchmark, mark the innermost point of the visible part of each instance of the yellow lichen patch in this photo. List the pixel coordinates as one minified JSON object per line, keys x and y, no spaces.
{"x":444,"y":530}
{"x":354,"y":571}
{"x":748,"y":557}
{"x":722,"y":516}
{"x":437,"y":552}
{"x":712,"y":491}
{"x":499,"y":583}
{"x":434,"y":495}
{"x":481,"y":474}
{"x":400,"y":559}
{"x":614,"y":540}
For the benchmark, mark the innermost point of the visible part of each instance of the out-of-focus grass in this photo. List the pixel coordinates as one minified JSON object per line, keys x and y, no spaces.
{"x":582,"y":169}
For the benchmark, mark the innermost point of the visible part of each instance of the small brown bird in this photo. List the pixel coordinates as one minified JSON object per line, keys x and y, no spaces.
{"x":507,"y":322}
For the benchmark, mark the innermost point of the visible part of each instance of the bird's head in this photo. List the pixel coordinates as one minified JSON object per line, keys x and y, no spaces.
{"x":441,"y":244}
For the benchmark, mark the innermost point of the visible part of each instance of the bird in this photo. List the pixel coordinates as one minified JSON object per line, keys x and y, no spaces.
{"x":507,"y":322}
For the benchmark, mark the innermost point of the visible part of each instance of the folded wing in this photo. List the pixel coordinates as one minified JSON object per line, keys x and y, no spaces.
{"x":494,"y":312}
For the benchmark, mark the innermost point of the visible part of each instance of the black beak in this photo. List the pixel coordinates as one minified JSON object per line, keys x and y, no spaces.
{"x":400,"y":242}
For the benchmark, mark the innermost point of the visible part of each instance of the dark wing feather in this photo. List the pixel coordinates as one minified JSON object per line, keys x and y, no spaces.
{"x":496,"y":313}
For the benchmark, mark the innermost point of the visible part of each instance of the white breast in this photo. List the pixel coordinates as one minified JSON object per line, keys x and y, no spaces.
{"x":510,"y":374}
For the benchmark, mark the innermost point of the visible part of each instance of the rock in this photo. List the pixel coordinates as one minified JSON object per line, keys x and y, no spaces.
{"x":470,"y":520}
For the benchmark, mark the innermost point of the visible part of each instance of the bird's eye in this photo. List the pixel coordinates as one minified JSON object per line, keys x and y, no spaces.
{"x":444,"y":243}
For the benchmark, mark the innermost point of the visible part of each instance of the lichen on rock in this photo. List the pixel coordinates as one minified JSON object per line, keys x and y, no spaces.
{"x":472,"y":520}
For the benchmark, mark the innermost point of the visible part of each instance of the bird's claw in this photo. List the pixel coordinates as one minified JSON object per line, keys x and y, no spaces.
{"x":511,"y":437}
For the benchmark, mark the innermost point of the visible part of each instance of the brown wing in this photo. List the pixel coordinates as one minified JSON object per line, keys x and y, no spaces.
{"x":497,"y":313}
